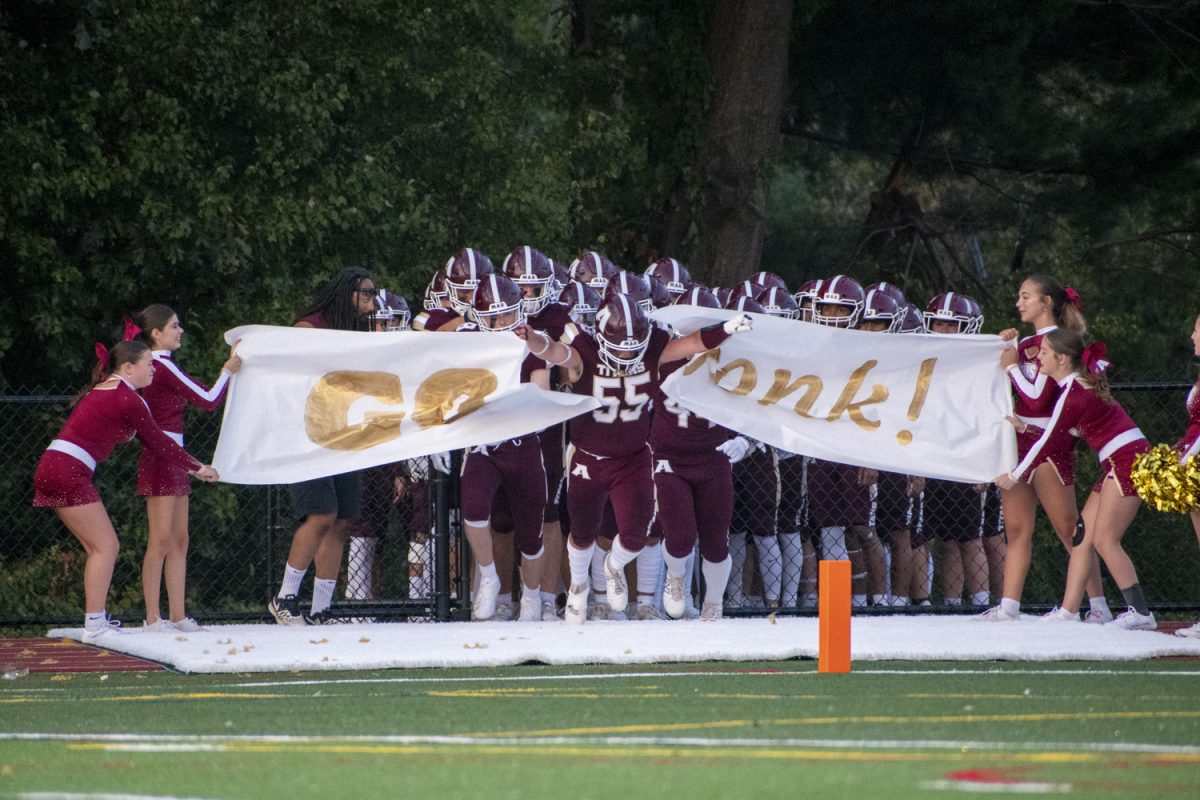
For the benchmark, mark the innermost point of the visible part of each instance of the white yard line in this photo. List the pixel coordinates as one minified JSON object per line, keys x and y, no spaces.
{"x":165,"y":742}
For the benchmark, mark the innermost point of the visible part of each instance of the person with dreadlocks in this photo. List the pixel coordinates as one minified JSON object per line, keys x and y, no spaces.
{"x":324,"y":506}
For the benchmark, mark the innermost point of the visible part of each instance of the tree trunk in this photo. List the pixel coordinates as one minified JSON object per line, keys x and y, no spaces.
{"x":748,"y":55}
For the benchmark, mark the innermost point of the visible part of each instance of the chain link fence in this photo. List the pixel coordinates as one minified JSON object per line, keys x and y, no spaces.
{"x":931,"y":542}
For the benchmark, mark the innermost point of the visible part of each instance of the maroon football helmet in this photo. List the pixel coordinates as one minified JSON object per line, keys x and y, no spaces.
{"x":659,"y":293}
{"x":804,"y":299}
{"x":561,"y":276}
{"x":533,"y":273}
{"x":891,"y":290}
{"x":675,"y":276}
{"x":623,"y":332}
{"x":463,"y":271}
{"x":911,"y":319}
{"x":393,"y":313}
{"x":769,"y":280}
{"x":632,"y":285}
{"x":698,"y":296}
{"x":499,"y":304}
{"x":436,"y":293}
{"x":840,"y":291}
{"x":722,"y":294}
{"x":744,"y":303}
{"x":955,"y":308}
{"x":883,"y":308}
{"x":582,"y":302}
{"x":777,"y":302}
{"x":593,"y":269}
{"x":747,"y":289}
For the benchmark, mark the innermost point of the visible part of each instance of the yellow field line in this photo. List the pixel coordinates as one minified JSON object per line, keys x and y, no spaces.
{"x":658,"y":752}
{"x":871,"y":720}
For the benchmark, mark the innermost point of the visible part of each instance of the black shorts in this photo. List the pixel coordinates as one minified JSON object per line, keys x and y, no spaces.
{"x":336,"y":494}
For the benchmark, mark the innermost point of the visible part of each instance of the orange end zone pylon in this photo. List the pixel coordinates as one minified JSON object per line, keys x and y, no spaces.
{"x":833,"y":654}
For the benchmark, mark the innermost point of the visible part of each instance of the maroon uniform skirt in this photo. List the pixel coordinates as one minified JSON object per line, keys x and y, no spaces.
{"x":61,"y":481}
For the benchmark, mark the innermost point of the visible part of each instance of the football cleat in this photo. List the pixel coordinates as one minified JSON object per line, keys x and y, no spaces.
{"x":576,"y":608}
{"x":286,"y":610}
{"x":674,"y":599}
{"x":710,"y":612}
{"x":618,"y":589}
{"x":531,"y":607}
{"x":549,"y":611}
{"x":484,"y":605}
{"x":647,"y":611}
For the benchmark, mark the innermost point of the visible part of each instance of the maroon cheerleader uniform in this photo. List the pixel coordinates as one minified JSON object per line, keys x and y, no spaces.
{"x":104,"y":418}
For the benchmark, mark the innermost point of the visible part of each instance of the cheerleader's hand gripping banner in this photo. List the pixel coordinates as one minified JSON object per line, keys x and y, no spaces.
{"x":309,"y":403}
{"x":932,"y":406}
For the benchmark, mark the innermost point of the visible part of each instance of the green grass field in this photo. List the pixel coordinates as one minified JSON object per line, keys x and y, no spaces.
{"x":760,"y":730}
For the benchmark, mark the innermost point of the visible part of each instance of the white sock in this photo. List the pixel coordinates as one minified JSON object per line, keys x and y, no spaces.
{"x":737,"y":561}
{"x":93,"y":621}
{"x":793,"y":560}
{"x":322,"y":594}
{"x":649,"y":565}
{"x":597,"y":568}
{"x":361,"y":567}
{"x":833,"y":543}
{"x":689,"y":576}
{"x":579,"y":561}
{"x":419,"y":554}
{"x":1098,"y":604}
{"x":980,"y":598}
{"x":291,"y":581}
{"x":716,"y":576}
{"x":675,"y":566}
{"x":770,"y":566}
{"x":619,"y":556}
{"x":1011,"y":606}
{"x":489,"y":571}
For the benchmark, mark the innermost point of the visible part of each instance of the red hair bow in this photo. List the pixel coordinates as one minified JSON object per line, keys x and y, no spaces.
{"x":132,"y":331}
{"x":1095,"y":358}
{"x":1073,"y":297}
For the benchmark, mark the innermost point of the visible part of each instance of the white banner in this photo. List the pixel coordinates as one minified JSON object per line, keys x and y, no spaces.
{"x":309,"y":403}
{"x":932,"y":406}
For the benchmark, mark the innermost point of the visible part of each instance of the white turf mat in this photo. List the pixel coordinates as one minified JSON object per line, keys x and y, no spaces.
{"x":272,"y":648}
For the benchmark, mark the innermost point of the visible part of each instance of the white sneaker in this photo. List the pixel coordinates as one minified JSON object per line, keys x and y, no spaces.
{"x":106,"y":627}
{"x":576,"y":609}
{"x":996,"y":614}
{"x":484,"y":606}
{"x":1095,"y":617}
{"x":549,"y":610}
{"x":673,"y":599}
{"x":159,"y":625}
{"x":504,"y":612}
{"x":531,"y":607}
{"x":1131,"y":620}
{"x":598,"y":610}
{"x":711,"y":611}
{"x":1060,"y":614}
{"x":647,"y":611}
{"x":618,"y":589}
{"x":1191,"y":632}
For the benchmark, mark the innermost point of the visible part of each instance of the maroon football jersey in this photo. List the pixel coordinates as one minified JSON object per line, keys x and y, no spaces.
{"x":434,"y":320}
{"x":552,"y":320}
{"x":676,"y":430}
{"x":621,"y":426}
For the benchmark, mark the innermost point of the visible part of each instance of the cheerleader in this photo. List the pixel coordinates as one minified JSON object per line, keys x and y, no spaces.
{"x":1085,"y":406}
{"x":110,"y":413}
{"x":164,"y":485}
{"x":1189,"y":446}
{"x":1047,"y":305}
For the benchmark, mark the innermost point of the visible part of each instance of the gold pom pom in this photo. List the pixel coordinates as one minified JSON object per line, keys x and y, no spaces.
{"x":1163,"y":483}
